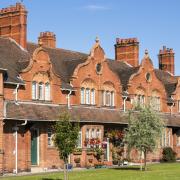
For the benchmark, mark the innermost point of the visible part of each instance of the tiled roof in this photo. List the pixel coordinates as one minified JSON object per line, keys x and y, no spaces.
{"x":50,"y":112}
{"x":123,"y":70}
{"x":168,"y":80}
{"x":14,"y":59}
{"x":10,"y":56}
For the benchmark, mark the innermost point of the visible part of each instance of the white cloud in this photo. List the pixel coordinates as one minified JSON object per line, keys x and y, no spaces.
{"x":95,"y":7}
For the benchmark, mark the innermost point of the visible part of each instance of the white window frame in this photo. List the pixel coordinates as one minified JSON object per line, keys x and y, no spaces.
{"x":34,"y":90}
{"x":50,"y":138}
{"x":82,"y":95}
{"x":88,"y":93}
{"x":93,"y":96}
{"x":98,"y":133}
{"x":79,"y":141}
{"x":47,"y":91}
{"x":41,"y":93}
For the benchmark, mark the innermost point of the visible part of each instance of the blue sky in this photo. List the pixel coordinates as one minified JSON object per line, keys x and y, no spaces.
{"x":76,"y":23}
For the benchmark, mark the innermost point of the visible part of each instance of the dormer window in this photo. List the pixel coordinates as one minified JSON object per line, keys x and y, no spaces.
{"x":87,"y":96}
{"x":40,"y":91}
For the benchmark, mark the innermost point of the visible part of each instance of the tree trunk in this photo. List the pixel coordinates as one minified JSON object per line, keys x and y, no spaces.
{"x":65,"y":169}
{"x":141,"y":161}
{"x":145,"y":154}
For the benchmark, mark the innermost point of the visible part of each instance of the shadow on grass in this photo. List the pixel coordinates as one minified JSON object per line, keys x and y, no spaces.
{"x":128,"y":168}
{"x":51,"y":179}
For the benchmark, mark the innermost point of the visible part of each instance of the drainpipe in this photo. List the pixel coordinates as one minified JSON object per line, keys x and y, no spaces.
{"x":124,"y":101}
{"x":68,"y":99}
{"x":16,"y":94}
{"x":108,"y":152}
{"x":16,"y":128}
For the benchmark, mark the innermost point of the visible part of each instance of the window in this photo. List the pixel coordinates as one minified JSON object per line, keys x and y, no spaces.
{"x":178,"y":139}
{"x":87,"y":133}
{"x":34,"y":90}
{"x":92,"y":96}
{"x":47,"y":91}
{"x":107,"y":98}
{"x":92,"y":133}
{"x":166,"y":138}
{"x":50,"y":138}
{"x":79,"y":141}
{"x":87,"y":96}
{"x":41,"y":91}
{"x":155,"y":103}
{"x":82,"y":96}
{"x":139,"y":99}
{"x":98,"y":133}
{"x":40,"y":94}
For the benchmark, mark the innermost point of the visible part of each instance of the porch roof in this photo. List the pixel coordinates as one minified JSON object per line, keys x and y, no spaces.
{"x":35,"y":111}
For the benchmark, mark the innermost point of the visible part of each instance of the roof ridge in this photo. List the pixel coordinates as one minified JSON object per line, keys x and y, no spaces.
{"x":56,"y":48}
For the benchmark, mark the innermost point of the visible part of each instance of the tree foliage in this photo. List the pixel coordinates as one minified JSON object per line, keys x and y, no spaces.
{"x":144,"y":130}
{"x":65,"y":136}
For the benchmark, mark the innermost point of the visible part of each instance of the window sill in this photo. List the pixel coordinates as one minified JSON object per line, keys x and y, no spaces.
{"x":88,"y":105}
{"x":42,"y":101}
{"x":110,"y":107}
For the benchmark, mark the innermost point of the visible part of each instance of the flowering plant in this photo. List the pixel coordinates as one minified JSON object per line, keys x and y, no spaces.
{"x":92,"y":143}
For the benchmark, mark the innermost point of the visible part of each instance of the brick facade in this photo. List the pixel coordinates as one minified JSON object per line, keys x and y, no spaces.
{"x":110,"y":87}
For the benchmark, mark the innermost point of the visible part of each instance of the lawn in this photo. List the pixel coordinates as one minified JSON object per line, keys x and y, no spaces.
{"x":156,"y":171}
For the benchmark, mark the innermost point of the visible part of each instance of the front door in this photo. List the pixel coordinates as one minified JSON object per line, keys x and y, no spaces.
{"x":34,"y":146}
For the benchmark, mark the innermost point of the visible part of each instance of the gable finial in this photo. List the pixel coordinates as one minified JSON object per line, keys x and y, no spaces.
{"x":97,"y":40}
{"x":146,"y":55}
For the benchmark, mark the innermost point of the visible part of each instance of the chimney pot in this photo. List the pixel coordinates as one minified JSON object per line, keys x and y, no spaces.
{"x":127,"y":50}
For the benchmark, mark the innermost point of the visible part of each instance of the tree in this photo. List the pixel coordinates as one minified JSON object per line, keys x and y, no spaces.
{"x":65,"y":138}
{"x":144,"y":129}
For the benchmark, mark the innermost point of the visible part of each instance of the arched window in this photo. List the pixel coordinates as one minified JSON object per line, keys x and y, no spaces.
{"x":47,"y":91}
{"x":155,"y":101}
{"x":40,"y":91}
{"x":34,"y":90}
{"x":107,"y":98}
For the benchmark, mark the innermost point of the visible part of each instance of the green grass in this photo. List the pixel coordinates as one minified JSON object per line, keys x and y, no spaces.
{"x":157,"y":171}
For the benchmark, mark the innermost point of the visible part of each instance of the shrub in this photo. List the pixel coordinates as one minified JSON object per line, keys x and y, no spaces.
{"x":168,"y":155}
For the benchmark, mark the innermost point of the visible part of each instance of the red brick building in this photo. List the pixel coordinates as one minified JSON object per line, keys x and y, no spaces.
{"x":38,"y":81}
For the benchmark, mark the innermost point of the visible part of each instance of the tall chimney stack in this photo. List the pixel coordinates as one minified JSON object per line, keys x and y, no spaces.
{"x":127,"y":50}
{"x":166,"y":59}
{"x":13,"y":23}
{"x":47,"y":39}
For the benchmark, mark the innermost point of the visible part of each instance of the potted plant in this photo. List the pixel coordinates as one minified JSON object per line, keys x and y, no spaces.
{"x":89,"y":151}
{"x":77,"y":160}
{"x":90,"y":160}
{"x":77,"y":151}
{"x":98,"y":152}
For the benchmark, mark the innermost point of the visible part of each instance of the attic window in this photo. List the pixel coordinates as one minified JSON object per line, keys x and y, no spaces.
{"x":148,"y":77}
{"x":98,"y":68}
